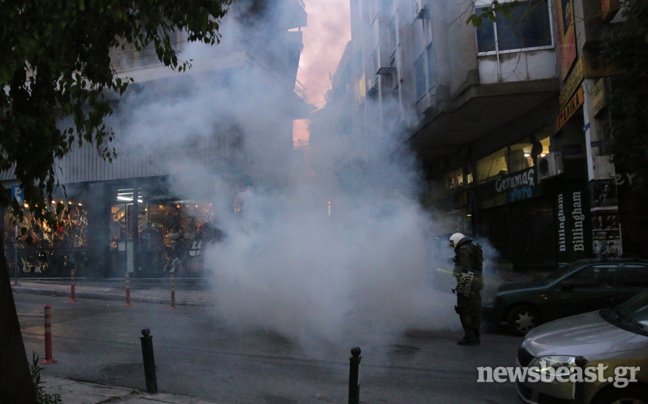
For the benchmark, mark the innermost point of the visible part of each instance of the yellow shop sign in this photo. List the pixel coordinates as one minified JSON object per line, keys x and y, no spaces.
{"x":574,"y":103}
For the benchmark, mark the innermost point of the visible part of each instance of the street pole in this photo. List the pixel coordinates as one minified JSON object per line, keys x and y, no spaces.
{"x":16,"y":266}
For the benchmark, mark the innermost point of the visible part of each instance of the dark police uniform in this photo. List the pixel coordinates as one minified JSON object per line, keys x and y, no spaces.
{"x":467,"y":270}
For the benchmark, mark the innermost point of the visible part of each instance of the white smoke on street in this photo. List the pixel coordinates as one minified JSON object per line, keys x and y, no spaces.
{"x":359,"y":272}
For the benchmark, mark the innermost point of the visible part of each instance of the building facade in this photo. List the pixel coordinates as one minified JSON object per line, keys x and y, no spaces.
{"x":506,"y":119}
{"x":127,"y":215}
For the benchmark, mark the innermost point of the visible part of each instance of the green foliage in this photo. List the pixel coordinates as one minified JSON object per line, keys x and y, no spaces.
{"x":41,"y":396}
{"x":627,"y":48}
{"x":58,"y":81}
{"x":490,"y":13}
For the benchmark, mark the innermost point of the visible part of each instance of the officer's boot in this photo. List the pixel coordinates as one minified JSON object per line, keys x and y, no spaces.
{"x":469,"y":334}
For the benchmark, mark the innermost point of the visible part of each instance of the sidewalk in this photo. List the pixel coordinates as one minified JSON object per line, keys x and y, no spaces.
{"x":73,"y":392}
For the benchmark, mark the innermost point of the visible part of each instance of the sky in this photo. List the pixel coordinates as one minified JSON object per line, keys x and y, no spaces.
{"x":325,"y":37}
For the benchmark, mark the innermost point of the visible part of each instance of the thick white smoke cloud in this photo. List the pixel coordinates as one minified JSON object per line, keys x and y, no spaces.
{"x":362,"y":273}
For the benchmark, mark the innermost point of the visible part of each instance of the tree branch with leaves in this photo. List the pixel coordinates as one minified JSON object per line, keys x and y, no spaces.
{"x":57,"y":83}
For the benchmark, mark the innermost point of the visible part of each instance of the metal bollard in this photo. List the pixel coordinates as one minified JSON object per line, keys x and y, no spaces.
{"x":128,"y":302}
{"x":72,"y":286}
{"x":48,"y":336}
{"x":173,"y":307}
{"x":149,"y":362}
{"x":354,"y":384}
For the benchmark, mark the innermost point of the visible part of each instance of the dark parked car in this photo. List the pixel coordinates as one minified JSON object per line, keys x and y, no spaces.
{"x":580,"y":287}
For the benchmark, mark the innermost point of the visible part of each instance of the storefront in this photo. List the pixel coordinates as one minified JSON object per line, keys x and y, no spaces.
{"x":515,"y":213}
{"x":532,"y":214}
{"x":33,"y":248}
{"x":109,"y":228}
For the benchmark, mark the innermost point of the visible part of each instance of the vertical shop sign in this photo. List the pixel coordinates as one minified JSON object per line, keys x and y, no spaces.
{"x":606,"y":230}
{"x":574,"y":103}
{"x":572,"y":217}
{"x":566,"y":35}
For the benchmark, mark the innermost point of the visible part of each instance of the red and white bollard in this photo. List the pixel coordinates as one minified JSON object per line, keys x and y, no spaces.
{"x":48,"y":336}
{"x":128,"y":303}
{"x":72,"y":286}
{"x":173,"y":292}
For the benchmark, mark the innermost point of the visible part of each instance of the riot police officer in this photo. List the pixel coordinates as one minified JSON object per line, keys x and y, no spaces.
{"x":468,"y":271}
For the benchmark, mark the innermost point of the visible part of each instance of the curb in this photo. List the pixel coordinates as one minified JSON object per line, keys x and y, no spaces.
{"x":104,"y":296}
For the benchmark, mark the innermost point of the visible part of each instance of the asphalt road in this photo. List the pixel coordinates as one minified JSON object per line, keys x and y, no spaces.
{"x":197,"y":355}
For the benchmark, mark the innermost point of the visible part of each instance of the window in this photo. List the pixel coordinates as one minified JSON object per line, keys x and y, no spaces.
{"x":425,"y":72}
{"x":492,"y":166}
{"x":391,"y":38}
{"x":431,"y":65}
{"x":596,"y":276}
{"x":419,"y":77}
{"x":525,"y":153}
{"x":516,"y":157}
{"x":528,"y":27}
{"x":634,"y":275}
{"x":454,"y":179}
{"x":416,"y":6}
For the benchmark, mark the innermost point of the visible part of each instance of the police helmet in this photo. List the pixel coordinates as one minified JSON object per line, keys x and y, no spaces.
{"x":455,"y":239}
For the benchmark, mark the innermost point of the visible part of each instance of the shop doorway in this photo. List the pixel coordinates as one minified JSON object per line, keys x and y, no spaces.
{"x":522,"y":233}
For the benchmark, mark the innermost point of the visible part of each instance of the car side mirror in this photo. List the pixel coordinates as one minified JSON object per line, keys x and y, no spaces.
{"x":567,"y":285}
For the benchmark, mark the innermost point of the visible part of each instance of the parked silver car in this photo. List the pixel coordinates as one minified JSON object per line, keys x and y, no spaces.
{"x":602,"y":356}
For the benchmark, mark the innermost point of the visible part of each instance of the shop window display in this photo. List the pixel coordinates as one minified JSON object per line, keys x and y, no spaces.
{"x":33,"y":248}
{"x":170,"y":237}
{"x":184,"y":232}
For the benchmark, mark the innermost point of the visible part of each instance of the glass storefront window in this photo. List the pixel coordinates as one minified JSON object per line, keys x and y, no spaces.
{"x":516,"y":157}
{"x":524,"y":154}
{"x":492,"y":166}
{"x":41,"y":249}
{"x":166,"y":236}
{"x":454,"y":179}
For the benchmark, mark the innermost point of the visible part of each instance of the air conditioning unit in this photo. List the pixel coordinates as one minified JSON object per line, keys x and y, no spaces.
{"x":549,"y":166}
{"x":420,"y":11}
{"x":372,"y":87}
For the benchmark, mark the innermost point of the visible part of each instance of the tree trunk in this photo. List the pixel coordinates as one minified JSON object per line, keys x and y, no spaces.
{"x":16,"y":385}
